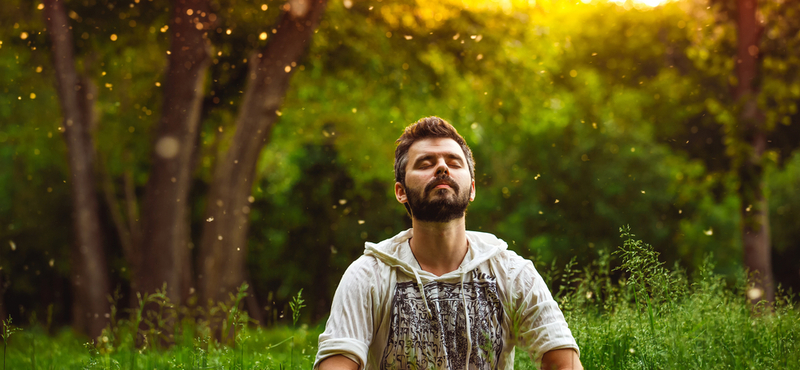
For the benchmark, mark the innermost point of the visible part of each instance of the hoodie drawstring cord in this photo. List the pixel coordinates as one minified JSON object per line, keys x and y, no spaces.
{"x":422,"y":291}
{"x":466,"y":316}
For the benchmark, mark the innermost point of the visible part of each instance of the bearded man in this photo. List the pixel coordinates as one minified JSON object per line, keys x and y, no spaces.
{"x":437,"y":296}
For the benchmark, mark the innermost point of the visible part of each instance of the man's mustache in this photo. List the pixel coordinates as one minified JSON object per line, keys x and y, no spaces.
{"x":439,"y":180}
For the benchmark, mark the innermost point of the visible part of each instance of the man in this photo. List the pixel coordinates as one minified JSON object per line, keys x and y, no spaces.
{"x":437,"y":296}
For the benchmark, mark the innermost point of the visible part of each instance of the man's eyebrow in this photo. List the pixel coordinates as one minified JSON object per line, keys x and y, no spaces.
{"x":430,"y":156}
{"x":424,"y":158}
{"x":454,"y":156}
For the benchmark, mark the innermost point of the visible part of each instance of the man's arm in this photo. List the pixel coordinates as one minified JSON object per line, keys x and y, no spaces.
{"x":338,"y":362}
{"x":349,"y":329}
{"x":543,"y":331}
{"x":559,"y":359}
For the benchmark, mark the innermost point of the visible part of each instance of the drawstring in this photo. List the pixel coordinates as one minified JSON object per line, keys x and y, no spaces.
{"x":419,"y":283}
{"x":422,"y":291}
{"x":466,"y":316}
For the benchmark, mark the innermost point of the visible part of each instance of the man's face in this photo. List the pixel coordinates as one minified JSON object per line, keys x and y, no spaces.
{"x":438,"y":183}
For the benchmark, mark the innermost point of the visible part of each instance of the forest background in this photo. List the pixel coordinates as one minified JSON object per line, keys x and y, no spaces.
{"x":207,"y":143}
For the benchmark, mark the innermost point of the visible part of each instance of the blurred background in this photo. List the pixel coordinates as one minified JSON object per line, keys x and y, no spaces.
{"x":207,"y":143}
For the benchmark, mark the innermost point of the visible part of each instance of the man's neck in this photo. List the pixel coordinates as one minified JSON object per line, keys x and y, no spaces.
{"x":439,"y":247}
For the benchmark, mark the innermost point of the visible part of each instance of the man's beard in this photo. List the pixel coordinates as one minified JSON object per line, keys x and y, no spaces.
{"x":442,"y":208}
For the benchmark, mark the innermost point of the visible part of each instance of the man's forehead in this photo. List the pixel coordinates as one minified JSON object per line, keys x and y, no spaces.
{"x":435,"y":145}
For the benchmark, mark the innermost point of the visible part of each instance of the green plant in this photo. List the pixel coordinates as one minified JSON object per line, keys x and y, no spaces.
{"x":8,"y":330}
{"x":647,"y":276}
{"x":296,"y":305}
{"x":238,"y":319}
{"x":138,"y":319}
{"x":33,"y":321}
{"x":235,"y":317}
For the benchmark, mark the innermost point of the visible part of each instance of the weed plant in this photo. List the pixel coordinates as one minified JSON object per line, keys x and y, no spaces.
{"x":651,"y":317}
{"x":659,"y":318}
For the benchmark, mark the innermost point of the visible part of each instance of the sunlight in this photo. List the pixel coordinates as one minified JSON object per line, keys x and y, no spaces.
{"x":509,"y":4}
{"x":650,"y":3}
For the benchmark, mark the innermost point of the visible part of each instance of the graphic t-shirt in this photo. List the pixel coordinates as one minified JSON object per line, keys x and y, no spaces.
{"x":439,"y":340}
{"x":388,"y":313}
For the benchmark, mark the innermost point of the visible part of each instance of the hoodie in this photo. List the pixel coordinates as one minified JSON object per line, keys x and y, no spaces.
{"x":388,"y":313}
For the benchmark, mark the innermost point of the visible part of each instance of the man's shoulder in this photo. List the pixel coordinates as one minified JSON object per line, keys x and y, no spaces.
{"x":365,"y":264}
{"x":510,"y":260}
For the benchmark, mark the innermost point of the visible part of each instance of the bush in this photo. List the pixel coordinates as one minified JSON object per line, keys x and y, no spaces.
{"x":649,"y":317}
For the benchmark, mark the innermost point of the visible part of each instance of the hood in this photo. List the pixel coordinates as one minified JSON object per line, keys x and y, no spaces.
{"x":482,"y":246}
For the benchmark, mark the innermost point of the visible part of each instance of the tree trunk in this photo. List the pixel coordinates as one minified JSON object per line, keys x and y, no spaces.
{"x":754,"y":209}
{"x":90,"y":284}
{"x":223,"y":245}
{"x":126,"y":223}
{"x":165,"y":244}
{"x":2,"y":296}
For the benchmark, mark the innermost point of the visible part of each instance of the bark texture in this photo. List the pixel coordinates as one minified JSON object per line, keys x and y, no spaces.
{"x":165,"y":244}
{"x":90,"y":284}
{"x":754,"y":209}
{"x":223,"y":245}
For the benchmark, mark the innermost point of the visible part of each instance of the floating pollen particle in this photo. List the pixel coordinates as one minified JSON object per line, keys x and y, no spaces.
{"x":754,"y":293}
{"x":167,"y":147}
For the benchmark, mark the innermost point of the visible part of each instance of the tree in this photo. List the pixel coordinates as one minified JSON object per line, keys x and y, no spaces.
{"x":90,"y":283}
{"x":164,"y":256}
{"x":551,"y":99}
{"x":223,"y":245}
{"x":753,"y":101}
{"x":2,"y":294}
{"x":753,"y":208}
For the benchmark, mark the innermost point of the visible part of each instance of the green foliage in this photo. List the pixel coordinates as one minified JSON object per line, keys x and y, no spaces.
{"x":646,"y":273}
{"x":296,"y":304}
{"x":706,"y":323}
{"x":8,"y":330}
{"x":64,"y":351}
{"x":582,"y":117}
{"x":634,"y":322}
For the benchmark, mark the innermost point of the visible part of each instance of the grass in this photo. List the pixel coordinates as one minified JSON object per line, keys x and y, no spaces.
{"x":659,"y":318}
{"x":651,"y":318}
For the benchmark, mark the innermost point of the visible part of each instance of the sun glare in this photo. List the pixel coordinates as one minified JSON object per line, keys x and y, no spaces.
{"x":509,"y":4}
{"x":650,"y":3}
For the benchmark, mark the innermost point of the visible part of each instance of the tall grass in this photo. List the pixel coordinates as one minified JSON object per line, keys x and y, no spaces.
{"x":659,"y":318}
{"x":641,"y":316}
{"x":217,"y":337}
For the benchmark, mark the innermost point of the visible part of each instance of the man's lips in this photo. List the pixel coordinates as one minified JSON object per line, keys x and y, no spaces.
{"x":441,"y":184}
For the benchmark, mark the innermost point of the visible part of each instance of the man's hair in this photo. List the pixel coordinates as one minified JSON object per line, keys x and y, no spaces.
{"x":428,"y":127}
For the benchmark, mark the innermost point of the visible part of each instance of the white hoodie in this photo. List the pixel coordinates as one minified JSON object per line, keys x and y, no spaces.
{"x":388,"y":313}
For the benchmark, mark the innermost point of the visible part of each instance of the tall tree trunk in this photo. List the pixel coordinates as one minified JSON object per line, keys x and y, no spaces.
{"x":754,"y":209}
{"x":90,"y":284}
{"x":126,"y":223}
{"x":2,"y":296}
{"x":223,"y":245}
{"x":164,"y":249}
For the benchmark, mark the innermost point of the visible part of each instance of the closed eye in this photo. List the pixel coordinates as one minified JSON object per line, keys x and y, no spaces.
{"x":454,"y":161}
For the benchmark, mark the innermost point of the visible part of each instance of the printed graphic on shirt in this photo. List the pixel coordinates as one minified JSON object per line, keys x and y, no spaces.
{"x":418,"y":340}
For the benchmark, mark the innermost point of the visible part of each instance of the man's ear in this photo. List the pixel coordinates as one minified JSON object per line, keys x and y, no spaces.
{"x":400,"y":193}
{"x":472,"y":191}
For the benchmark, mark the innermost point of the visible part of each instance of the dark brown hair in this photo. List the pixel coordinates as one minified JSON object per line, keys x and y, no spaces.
{"x":428,"y":127}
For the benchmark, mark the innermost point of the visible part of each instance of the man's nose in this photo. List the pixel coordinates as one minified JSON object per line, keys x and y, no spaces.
{"x":442,"y":168}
